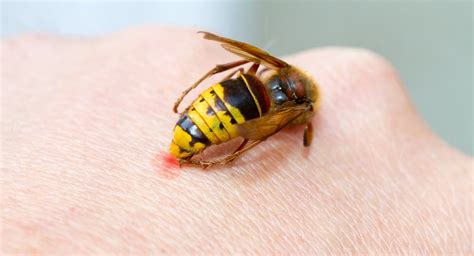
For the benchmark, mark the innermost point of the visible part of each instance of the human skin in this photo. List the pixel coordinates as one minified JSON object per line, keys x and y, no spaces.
{"x":87,"y":122}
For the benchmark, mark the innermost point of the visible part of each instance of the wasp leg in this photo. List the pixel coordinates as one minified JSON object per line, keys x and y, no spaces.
{"x":240,"y":70}
{"x":308,"y":134}
{"x":208,"y":163}
{"x":241,"y":146}
{"x":217,"y":69}
{"x":263,"y":71}
{"x":253,"y":69}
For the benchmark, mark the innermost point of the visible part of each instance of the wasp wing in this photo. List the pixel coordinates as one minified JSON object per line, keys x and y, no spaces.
{"x":271,"y":123}
{"x":247,"y":51}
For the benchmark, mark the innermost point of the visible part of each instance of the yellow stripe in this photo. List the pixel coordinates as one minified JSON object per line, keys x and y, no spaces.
{"x":211,"y":120}
{"x":253,"y":95}
{"x":221,"y":115}
{"x":201,"y":124}
{"x":215,"y":120}
{"x":182,"y":139}
{"x":176,"y":152}
{"x":235,"y":112}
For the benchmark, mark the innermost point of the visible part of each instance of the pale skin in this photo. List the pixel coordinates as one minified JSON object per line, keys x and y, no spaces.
{"x":84,"y":119}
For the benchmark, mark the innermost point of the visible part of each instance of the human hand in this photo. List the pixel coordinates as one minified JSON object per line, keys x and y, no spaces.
{"x":87,"y":122}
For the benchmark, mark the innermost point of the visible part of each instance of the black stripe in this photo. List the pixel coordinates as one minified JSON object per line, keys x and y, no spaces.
{"x":219,"y":106}
{"x":181,"y":149}
{"x":237,"y":94}
{"x":209,"y":112}
{"x":258,"y":89}
{"x":191,"y":128}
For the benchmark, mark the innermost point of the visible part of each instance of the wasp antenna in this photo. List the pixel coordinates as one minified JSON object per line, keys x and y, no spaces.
{"x":204,"y":32}
{"x":211,"y":36}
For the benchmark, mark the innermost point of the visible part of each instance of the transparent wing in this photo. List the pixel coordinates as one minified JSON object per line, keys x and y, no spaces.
{"x":247,"y":51}
{"x":271,"y":123}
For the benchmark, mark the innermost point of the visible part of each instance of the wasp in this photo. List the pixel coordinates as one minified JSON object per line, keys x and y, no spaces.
{"x":252,"y":105}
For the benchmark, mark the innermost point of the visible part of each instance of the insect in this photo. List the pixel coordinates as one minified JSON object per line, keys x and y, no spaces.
{"x":252,"y":105}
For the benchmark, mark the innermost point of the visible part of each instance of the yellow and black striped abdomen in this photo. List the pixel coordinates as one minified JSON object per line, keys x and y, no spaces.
{"x":214,"y":116}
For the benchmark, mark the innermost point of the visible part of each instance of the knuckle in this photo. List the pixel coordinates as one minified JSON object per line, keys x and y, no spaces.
{"x":358,"y":66}
{"x":356,"y":79}
{"x":369,"y":65}
{"x":354,"y":70}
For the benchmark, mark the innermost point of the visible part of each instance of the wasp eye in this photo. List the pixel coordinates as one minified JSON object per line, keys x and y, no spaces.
{"x":275,"y":83}
{"x":279,"y":97}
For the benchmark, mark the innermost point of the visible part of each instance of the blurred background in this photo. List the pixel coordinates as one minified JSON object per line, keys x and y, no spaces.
{"x":430,"y":43}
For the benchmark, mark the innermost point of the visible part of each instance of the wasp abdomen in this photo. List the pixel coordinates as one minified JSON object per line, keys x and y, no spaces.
{"x":214,"y":116}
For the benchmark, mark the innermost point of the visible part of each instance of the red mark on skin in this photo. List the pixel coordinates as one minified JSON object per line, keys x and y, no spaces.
{"x":166,"y":165}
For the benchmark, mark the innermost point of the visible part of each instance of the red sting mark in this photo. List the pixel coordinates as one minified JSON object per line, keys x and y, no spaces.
{"x":166,"y":165}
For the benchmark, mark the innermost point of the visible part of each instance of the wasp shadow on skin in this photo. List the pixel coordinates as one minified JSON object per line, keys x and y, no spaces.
{"x":252,"y":165}
{"x":267,"y":159}
{"x":215,"y":152}
{"x":275,"y":155}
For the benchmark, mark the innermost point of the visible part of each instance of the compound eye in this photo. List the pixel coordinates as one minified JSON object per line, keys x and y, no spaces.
{"x":279,"y":97}
{"x":275,"y":84}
